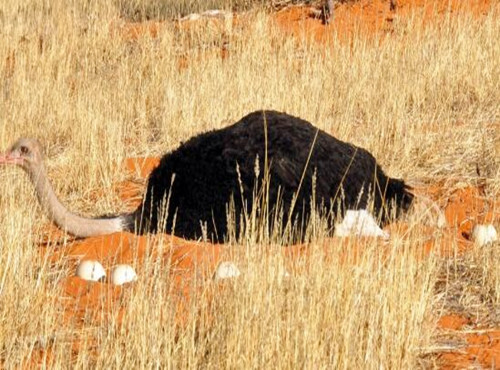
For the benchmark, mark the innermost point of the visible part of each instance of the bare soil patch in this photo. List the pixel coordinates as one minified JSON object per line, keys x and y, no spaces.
{"x":465,"y":341}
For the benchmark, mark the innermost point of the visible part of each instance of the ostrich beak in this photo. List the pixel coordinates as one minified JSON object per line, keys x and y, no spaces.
{"x":8,"y":158}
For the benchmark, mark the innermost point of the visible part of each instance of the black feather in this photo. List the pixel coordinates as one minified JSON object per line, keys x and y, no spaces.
{"x":207,"y":168}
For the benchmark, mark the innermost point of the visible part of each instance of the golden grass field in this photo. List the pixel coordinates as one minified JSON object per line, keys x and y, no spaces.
{"x":421,"y":91}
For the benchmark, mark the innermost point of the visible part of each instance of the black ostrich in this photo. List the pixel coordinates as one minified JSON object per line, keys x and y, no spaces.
{"x":190,"y":190}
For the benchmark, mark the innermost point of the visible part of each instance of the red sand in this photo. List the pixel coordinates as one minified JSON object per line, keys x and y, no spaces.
{"x":85,"y":302}
{"x":453,"y":322}
{"x":481,"y":350}
{"x":365,"y":18}
{"x":360,"y":18}
{"x":369,"y":17}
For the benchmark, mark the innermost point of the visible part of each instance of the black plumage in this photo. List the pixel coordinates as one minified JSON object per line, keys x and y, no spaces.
{"x":199,"y":178}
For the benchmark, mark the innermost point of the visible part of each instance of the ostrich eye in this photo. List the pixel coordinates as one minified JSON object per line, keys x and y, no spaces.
{"x":24,"y":150}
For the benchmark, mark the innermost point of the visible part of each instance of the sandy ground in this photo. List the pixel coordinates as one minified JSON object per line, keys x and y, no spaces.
{"x":87,"y":303}
{"x":93,"y":303}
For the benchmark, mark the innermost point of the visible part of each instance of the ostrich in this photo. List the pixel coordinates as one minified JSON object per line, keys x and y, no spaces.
{"x":301,"y":167}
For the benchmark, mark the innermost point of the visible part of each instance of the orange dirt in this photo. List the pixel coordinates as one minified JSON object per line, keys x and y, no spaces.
{"x":92,"y":303}
{"x":130,"y":191}
{"x":463,"y":209}
{"x":360,"y":18}
{"x":141,"y":166}
{"x":368,"y":17}
{"x":467,"y":207}
{"x":364,"y":18}
{"x":480,"y":350}
{"x":85,"y":303}
{"x":89,"y":304}
{"x":453,"y":322}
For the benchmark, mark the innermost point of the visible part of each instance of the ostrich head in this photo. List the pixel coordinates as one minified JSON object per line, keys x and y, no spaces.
{"x":26,"y":153}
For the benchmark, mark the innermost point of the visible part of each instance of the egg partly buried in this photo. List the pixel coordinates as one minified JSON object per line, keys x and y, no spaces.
{"x":226,"y":270}
{"x":484,"y":234}
{"x":123,"y":274}
{"x":90,"y":270}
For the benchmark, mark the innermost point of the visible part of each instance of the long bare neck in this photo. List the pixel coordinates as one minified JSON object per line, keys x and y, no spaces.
{"x":66,"y":220}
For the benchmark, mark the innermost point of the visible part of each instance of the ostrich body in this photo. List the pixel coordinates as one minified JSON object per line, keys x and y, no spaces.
{"x":189,"y":191}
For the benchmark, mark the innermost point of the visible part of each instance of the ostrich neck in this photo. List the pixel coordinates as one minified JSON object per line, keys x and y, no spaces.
{"x":66,"y":220}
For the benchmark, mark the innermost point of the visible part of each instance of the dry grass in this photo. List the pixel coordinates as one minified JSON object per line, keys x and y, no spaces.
{"x":470,"y":285}
{"x":424,"y":101}
{"x":140,"y":10}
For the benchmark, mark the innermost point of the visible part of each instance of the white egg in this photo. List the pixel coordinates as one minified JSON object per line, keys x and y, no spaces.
{"x":123,"y":274}
{"x":90,"y":270}
{"x":484,"y":234}
{"x":226,"y":270}
{"x":359,"y":223}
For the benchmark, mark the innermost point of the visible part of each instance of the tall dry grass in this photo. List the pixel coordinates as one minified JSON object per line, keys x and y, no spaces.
{"x":425,"y":101}
{"x":140,"y":10}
